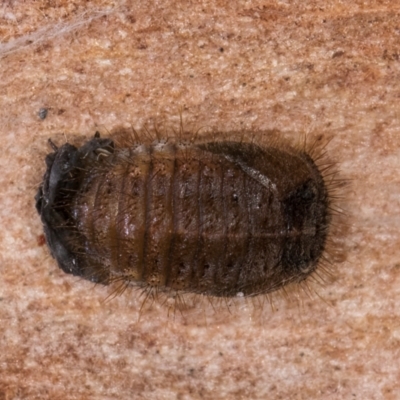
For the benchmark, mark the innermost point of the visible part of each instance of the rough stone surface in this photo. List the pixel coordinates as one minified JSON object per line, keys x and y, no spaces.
{"x":298,"y":66}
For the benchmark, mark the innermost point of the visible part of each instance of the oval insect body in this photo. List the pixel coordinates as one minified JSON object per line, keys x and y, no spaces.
{"x":216,"y":218}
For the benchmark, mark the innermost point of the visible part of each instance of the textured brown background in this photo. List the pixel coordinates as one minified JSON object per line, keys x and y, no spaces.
{"x":294,"y":66}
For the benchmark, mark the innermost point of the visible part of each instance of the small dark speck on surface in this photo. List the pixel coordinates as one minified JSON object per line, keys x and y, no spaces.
{"x":43,"y":113}
{"x":337,"y":54}
{"x":41,"y":240}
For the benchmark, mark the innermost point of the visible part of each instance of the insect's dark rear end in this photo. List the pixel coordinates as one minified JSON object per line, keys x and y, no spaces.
{"x":217,"y":218}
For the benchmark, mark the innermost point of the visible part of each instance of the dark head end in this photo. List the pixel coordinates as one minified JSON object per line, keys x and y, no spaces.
{"x":61,"y":182}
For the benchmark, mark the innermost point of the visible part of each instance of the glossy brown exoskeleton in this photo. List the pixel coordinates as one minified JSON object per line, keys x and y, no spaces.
{"x":217,"y":218}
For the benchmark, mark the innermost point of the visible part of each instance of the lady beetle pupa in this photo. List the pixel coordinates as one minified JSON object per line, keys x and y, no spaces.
{"x":219,"y":218}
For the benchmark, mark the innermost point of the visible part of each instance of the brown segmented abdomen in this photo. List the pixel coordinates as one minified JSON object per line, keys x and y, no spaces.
{"x":217,"y":218}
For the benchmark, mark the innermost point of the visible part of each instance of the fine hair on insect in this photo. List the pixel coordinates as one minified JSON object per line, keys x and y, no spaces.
{"x":221,"y":216}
